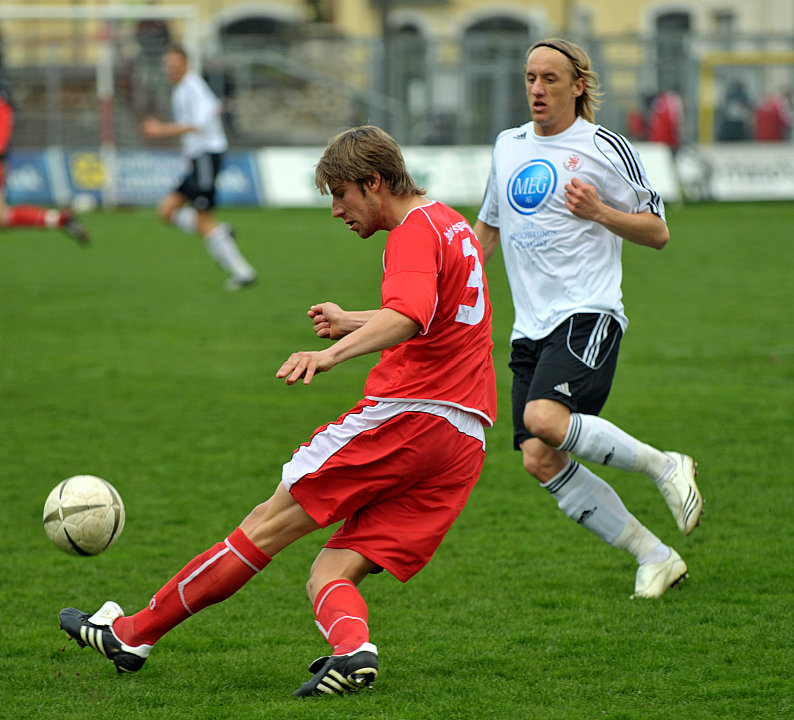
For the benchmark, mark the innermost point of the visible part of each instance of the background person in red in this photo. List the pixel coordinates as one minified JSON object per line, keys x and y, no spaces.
{"x":666,"y":119}
{"x":16,"y":216}
{"x":397,"y":468}
{"x":772,"y":119}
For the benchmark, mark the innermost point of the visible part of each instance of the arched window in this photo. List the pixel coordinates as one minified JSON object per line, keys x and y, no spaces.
{"x":251,"y":32}
{"x":410,"y":53}
{"x":407,"y":76}
{"x":672,"y":49}
{"x":494,"y":51}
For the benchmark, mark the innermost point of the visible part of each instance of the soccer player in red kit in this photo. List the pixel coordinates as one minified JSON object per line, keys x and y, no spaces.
{"x":16,"y":216}
{"x":397,"y":468}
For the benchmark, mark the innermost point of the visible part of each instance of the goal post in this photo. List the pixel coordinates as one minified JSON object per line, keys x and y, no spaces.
{"x":98,"y":14}
{"x":712,"y":62}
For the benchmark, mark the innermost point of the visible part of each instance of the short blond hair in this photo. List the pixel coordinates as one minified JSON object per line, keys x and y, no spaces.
{"x":587,"y":103}
{"x":355,"y":155}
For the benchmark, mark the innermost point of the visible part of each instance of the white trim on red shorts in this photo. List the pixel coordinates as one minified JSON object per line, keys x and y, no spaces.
{"x":310,"y":457}
{"x":483,"y":418}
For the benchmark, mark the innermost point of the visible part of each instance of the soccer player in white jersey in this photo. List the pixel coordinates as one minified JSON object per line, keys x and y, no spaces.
{"x":398,"y":467}
{"x":190,"y":206}
{"x":562,"y":196}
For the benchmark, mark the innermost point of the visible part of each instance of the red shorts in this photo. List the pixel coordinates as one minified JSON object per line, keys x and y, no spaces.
{"x":398,"y":473}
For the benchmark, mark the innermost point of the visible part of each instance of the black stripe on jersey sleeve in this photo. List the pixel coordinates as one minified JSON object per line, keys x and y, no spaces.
{"x":624,"y":151}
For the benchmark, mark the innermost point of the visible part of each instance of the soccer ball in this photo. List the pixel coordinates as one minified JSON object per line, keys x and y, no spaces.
{"x":84,"y":515}
{"x":84,"y":202}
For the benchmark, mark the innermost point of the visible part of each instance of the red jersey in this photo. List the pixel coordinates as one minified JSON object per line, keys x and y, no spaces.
{"x":772,"y":120}
{"x":432,"y":273}
{"x":666,"y":119}
{"x":6,"y":124}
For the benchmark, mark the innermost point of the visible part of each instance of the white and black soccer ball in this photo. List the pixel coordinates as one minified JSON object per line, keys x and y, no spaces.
{"x":84,"y":515}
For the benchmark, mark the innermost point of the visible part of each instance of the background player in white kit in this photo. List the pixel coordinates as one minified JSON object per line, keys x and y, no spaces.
{"x":398,"y":467}
{"x":190,"y":206}
{"x":562,"y":195}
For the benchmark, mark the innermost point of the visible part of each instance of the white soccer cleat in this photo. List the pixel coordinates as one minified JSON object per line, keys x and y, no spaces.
{"x":239,"y":282}
{"x":654,"y":578}
{"x":681,"y":492}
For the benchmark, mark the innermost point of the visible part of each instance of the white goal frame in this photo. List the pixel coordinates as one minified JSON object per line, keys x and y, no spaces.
{"x":187,"y":14}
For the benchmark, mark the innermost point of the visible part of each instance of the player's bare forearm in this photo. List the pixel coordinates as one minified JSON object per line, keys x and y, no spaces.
{"x":330,"y":321}
{"x":488,"y":237}
{"x":643,"y":228}
{"x":158,"y":130}
{"x":384,"y":329}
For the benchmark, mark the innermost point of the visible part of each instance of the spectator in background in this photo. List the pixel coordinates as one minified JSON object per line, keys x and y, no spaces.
{"x":637,"y":118}
{"x":30,"y":216}
{"x":666,"y":119}
{"x":737,"y":115}
{"x":772,"y":120}
{"x":635,"y":124}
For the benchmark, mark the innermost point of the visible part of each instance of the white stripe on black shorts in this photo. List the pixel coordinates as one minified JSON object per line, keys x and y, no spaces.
{"x":574,"y":365}
{"x":198,"y":186}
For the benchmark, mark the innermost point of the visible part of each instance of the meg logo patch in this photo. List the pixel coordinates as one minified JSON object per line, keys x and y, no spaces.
{"x":531,"y":185}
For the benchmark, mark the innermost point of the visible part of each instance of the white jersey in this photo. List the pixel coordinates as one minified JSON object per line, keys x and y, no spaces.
{"x":558,"y":264}
{"x":193,"y":103}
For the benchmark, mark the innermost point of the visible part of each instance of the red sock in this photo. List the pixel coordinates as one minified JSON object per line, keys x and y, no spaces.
{"x":209,"y":578}
{"x":342,"y":616}
{"x":30,"y":216}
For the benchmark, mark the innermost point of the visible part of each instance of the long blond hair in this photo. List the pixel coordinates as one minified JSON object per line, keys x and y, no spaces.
{"x":587,"y":103}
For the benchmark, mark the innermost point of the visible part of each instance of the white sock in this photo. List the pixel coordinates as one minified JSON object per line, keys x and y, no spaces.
{"x":592,"y":438}
{"x":222,"y":247}
{"x":642,"y":543}
{"x":588,"y":500}
{"x":52,"y":218}
{"x":184,"y":218}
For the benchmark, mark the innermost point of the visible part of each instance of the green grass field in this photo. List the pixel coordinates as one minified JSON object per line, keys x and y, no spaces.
{"x":128,"y":360}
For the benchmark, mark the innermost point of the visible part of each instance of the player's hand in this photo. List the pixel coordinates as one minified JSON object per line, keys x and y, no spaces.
{"x":151,"y":127}
{"x":583,"y":200}
{"x":304,"y":365}
{"x":327,"y":320}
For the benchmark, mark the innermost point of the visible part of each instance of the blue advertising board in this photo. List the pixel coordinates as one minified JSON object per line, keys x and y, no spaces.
{"x":142,"y":177}
{"x":28,"y":179}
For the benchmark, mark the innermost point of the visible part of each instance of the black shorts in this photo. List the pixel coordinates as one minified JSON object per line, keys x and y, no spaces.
{"x":573,"y":365}
{"x":198,"y":186}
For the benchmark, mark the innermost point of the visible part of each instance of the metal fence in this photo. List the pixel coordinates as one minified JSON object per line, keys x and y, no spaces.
{"x":299,"y":88}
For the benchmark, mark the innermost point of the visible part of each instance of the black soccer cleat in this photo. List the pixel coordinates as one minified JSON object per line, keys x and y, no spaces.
{"x":74,"y":228}
{"x":97,"y":631}
{"x":342,"y":674}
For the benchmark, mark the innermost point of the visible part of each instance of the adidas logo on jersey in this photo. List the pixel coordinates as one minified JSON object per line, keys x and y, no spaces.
{"x":564,"y":389}
{"x":520,"y":136}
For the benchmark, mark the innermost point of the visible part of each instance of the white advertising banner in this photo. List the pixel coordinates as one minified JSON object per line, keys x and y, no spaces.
{"x":288,"y":177}
{"x":661,"y":170}
{"x":737,"y":171}
{"x":454,"y":175}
